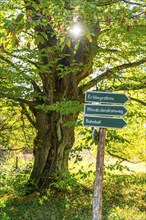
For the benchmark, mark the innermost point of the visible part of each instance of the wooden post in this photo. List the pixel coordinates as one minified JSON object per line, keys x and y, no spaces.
{"x":98,"y":183}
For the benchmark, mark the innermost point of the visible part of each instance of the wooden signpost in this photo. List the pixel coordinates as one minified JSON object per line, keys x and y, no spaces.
{"x":103,"y":116}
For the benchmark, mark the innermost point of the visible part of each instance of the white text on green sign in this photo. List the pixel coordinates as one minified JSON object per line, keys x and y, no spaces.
{"x":113,"y":110}
{"x":105,"y":97}
{"x":104,"y":122}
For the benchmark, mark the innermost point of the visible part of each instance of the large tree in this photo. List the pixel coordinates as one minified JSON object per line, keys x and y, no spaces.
{"x":46,"y":67}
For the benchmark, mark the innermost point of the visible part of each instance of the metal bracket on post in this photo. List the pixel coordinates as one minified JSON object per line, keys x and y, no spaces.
{"x":95,"y":135}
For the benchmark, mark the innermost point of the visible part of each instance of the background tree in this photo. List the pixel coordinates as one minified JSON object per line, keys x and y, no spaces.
{"x":16,"y":132}
{"x":46,"y":67}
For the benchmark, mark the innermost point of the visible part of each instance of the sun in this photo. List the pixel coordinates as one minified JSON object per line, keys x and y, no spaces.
{"x":76,"y":30}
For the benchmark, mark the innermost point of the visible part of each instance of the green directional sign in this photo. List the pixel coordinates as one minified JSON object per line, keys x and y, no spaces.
{"x":113,"y":110}
{"x":105,"y":97}
{"x":104,"y":122}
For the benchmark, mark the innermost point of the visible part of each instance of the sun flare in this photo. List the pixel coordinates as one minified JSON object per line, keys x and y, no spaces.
{"x":76,"y":30}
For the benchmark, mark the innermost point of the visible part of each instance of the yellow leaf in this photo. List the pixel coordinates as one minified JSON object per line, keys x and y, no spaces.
{"x":89,"y":37}
{"x":68,"y":43}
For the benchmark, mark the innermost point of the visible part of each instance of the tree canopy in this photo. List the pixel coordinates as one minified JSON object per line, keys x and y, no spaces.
{"x":46,"y":67}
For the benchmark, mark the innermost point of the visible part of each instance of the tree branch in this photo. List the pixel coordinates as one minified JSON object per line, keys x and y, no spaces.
{"x":128,"y":86}
{"x":137,"y":100}
{"x":121,"y":158}
{"x":8,"y":61}
{"x":86,"y":52}
{"x":11,"y":149}
{"x":22,"y":58}
{"x":108,"y":74}
{"x":29,"y":103}
{"x":134,"y":3}
{"x":36,"y":87}
{"x":106,"y":3}
{"x":4,"y":127}
{"x":110,"y":2}
{"x":25,"y":112}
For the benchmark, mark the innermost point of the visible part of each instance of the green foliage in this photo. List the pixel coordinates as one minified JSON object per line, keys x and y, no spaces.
{"x":123,"y":197}
{"x":116,"y":167}
{"x":16,"y":132}
{"x":38,"y":58}
{"x":64,"y":107}
{"x":12,"y":178}
{"x":25,"y":44}
{"x":129,"y":143}
{"x":64,"y":181}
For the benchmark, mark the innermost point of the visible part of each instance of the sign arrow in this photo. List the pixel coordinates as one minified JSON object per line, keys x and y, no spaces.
{"x":105,"y":97}
{"x":113,"y":110}
{"x":104,"y":122}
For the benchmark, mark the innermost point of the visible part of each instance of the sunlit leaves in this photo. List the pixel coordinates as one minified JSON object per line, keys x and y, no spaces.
{"x":129,"y":143}
{"x":16,"y":132}
{"x":65,"y":107}
{"x":37,"y":46}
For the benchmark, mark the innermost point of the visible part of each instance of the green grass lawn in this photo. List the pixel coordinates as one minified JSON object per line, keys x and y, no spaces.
{"x":123,"y":199}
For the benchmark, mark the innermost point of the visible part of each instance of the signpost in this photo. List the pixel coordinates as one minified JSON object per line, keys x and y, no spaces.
{"x":102,"y":115}
{"x":105,"y":97}
{"x":112,"y":110}
{"x":106,"y":122}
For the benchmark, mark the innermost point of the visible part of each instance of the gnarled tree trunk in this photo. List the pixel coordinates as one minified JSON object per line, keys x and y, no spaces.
{"x":52,"y":145}
{"x":60,"y":71}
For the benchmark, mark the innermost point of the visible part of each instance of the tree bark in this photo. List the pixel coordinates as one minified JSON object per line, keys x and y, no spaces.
{"x":54,"y":140}
{"x":51,"y":147}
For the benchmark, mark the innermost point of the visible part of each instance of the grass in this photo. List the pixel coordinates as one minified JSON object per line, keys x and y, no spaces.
{"x":123,"y":196}
{"x":123,"y":199}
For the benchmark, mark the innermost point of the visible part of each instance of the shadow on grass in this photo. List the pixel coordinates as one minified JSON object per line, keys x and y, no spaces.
{"x":56,"y":207}
{"x":123,"y":199}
